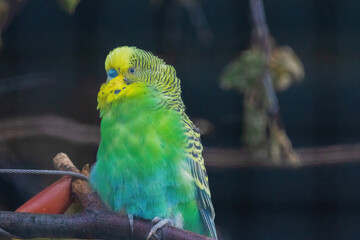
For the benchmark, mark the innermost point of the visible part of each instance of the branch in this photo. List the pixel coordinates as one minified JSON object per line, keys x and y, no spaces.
{"x":76,"y":132}
{"x":54,"y":126}
{"x":80,"y":188}
{"x":95,"y":221}
{"x":262,"y":41}
{"x":240,"y":158}
{"x":279,"y":150}
{"x":85,"y":225}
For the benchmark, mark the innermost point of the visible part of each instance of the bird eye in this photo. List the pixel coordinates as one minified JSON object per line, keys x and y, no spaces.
{"x":132,"y":70}
{"x":111,"y":74}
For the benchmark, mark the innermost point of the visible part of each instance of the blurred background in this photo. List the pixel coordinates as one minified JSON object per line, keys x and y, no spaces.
{"x":52,"y":65}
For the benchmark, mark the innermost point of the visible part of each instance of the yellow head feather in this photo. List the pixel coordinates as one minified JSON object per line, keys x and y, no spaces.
{"x":119,"y":59}
{"x":134,"y":70}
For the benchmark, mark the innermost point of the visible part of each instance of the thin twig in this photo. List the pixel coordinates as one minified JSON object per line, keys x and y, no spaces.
{"x":80,"y":188}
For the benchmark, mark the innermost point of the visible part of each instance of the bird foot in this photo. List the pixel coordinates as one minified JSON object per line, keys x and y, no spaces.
{"x":159,"y":223}
{"x":131,"y":221}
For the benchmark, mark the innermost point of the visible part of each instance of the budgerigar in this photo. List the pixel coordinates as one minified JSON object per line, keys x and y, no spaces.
{"x":149,"y":162}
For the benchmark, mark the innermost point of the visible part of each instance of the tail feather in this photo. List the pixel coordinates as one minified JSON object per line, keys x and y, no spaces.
{"x":209,"y":222}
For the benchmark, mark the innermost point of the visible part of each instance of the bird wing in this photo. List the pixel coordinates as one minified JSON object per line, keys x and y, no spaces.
{"x":198,"y":172}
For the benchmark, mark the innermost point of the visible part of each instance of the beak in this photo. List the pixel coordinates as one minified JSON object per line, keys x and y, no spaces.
{"x":108,"y":79}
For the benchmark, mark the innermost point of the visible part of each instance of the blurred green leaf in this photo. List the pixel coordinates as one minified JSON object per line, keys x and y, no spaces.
{"x":69,"y":6}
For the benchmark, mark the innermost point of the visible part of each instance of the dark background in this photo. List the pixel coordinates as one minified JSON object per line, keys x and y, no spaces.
{"x":52,"y":63}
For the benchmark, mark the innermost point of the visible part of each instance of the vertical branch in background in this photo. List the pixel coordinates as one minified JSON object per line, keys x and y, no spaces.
{"x":199,"y":21}
{"x":280,"y":147}
{"x":262,"y":41}
{"x":257,"y":73}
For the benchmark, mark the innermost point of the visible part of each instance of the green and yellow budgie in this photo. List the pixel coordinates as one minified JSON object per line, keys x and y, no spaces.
{"x":149,"y":162}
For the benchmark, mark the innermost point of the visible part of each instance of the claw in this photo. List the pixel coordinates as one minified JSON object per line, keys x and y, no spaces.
{"x":155,"y":220}
{"x":159,"y":223}
{"x":131,"y":221}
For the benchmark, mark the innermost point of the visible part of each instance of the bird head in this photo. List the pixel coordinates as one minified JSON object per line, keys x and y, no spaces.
{"x":132,"y":71}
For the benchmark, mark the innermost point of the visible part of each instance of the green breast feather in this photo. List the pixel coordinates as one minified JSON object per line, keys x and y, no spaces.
{"x":149,"y":162}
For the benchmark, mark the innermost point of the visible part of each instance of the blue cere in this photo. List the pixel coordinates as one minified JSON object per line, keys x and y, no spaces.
{"x":111,"y":74}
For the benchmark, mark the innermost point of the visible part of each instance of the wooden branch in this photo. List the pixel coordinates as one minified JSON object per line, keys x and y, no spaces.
{"x":80,"y":188}
{"x":84,"y":225}
{"x":280,"y":150}
{"x":239,"y":158}
{"x":53,"y":126}
{"x":95,"y":221}
{"x":76,"y":132}
{"x":262,"y":41}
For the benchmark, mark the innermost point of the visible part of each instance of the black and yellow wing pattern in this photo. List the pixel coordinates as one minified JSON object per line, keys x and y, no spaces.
{"x":197,"y":167}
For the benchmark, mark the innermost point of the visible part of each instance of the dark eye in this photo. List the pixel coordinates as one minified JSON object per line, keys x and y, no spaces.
{"x":111,"y":74}
{"x":132,"y":70}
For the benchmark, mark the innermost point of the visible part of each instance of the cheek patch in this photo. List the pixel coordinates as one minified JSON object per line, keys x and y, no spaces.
{"x":117,"y":91}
